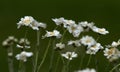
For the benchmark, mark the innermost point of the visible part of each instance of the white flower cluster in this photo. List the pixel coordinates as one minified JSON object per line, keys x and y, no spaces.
{"x":60,"y":46}
{"x":23,"y":56}
{"x":23,"y":43}
{"x":71,"y":26}
{"x":54,"y":33}
{"x":8,"y":44}
{"x":88,"y":41}
{"x":75,"y":43}
{"x":9,"y":41}
{"x":76,"y":29}
{"x":70,"y":55}
{"x":31,"y":22}
{"x":111,"y":51}
{"x":92,"y":45}
{"x":87,"y":70}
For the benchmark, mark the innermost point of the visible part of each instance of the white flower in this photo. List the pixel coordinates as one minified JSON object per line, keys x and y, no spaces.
{"x":42,"y":25}
{"x":114,"y":44}
{"x":30,"y":22}
{"x":23,"y":56}
{"x":9,"y":41}
{"x":100,"y":30}
{"x":10,"y":54}
{"x":75,"y":29}
{"x":109,"y":52}
{"x":112,"y":54}
{"x":86,"y":24}
{"x":68,"y":23}
{"x":88,"y":41}
{"x":75,"y":43}
{"x":26,"y":21}
{"x":23,"y":43}
{"x":60,"y":46}
{"x":69,"y":55}
{"x":20,"y":46}
{"x":59,"y":21}
{"x":87,"y":70}
{"x":55,"y":33}
{"x":93,"y":49}
{"x":36,"y":25}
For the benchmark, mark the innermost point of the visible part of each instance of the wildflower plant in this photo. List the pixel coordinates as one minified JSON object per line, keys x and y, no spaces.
{"x":65,"y":51}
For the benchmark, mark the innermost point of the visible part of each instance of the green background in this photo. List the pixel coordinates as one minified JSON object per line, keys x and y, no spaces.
{"x":105,"y":13}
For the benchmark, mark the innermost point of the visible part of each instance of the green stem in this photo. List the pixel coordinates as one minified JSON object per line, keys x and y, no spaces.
{"x":58,"y":59}
{"x":10,"y":59}
{"x":63,"y":35}
{"x":114,"y":67}
{"x":52,"y":57}
{"x":81,"y":62}
{"x":89,"y":60}
{"x":44,"y":57}
{"x":25,"y":38}
{"x":21,"y":66}
{"x":67,"y":66}
{"x":37,"y":51}
{"x":82,"y":54}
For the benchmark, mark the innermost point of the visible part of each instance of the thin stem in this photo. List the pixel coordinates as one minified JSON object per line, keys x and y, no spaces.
{"x":52,"y":57}
{"x":114,"y":67}
{"x":21,"y":66}
{"x":37,"y":51}
{"x":36,"y":61}
{"x":44,"y":57}
{"x":81,"y":62}
{"x":96,"y":63}
{"x":82,"y":56}
{"x":63,"y":35}
{"x":10,"y":59}
{"x":89,"y":60}
{"x":25,"y":36}
{"x":67,"y":66}
{"x":58,"y":59}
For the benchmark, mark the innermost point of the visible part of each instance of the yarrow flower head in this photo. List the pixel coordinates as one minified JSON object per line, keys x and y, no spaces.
{"x":111,"y":51}
{"x":9,"y":41}
{"x":68,"y":23}
{"x":59,"y":21}
{"x":114,"y":44}
{"x":23,"y":43}
{"x":94,"y":48}
{"x":26,"y":21}
{"x":75,"y":43}
{"x":69,"y":55}
{"x":85,"y":24}
{"x":55,"y":33}
{"x":23,"y":56}
{"x":102,"y":31}
{"x":86,"y":70}
{"x":87,"y":41}
{"x":30,"y":22}
{"x":60,"y":46}
{"x":75,"y":29}
{"x":112,"y":54}
{"x":63,"y":21}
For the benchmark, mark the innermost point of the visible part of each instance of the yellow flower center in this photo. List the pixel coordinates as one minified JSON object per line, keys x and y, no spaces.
{"x":111,"y":51}
{"x":51,"y":33}
{"x":101,"y":30}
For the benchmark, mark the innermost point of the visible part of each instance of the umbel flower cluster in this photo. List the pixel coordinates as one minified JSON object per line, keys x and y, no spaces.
{"x":66,"y":50}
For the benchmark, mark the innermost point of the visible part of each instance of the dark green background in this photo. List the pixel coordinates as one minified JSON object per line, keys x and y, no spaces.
{"x":105,"y":13}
